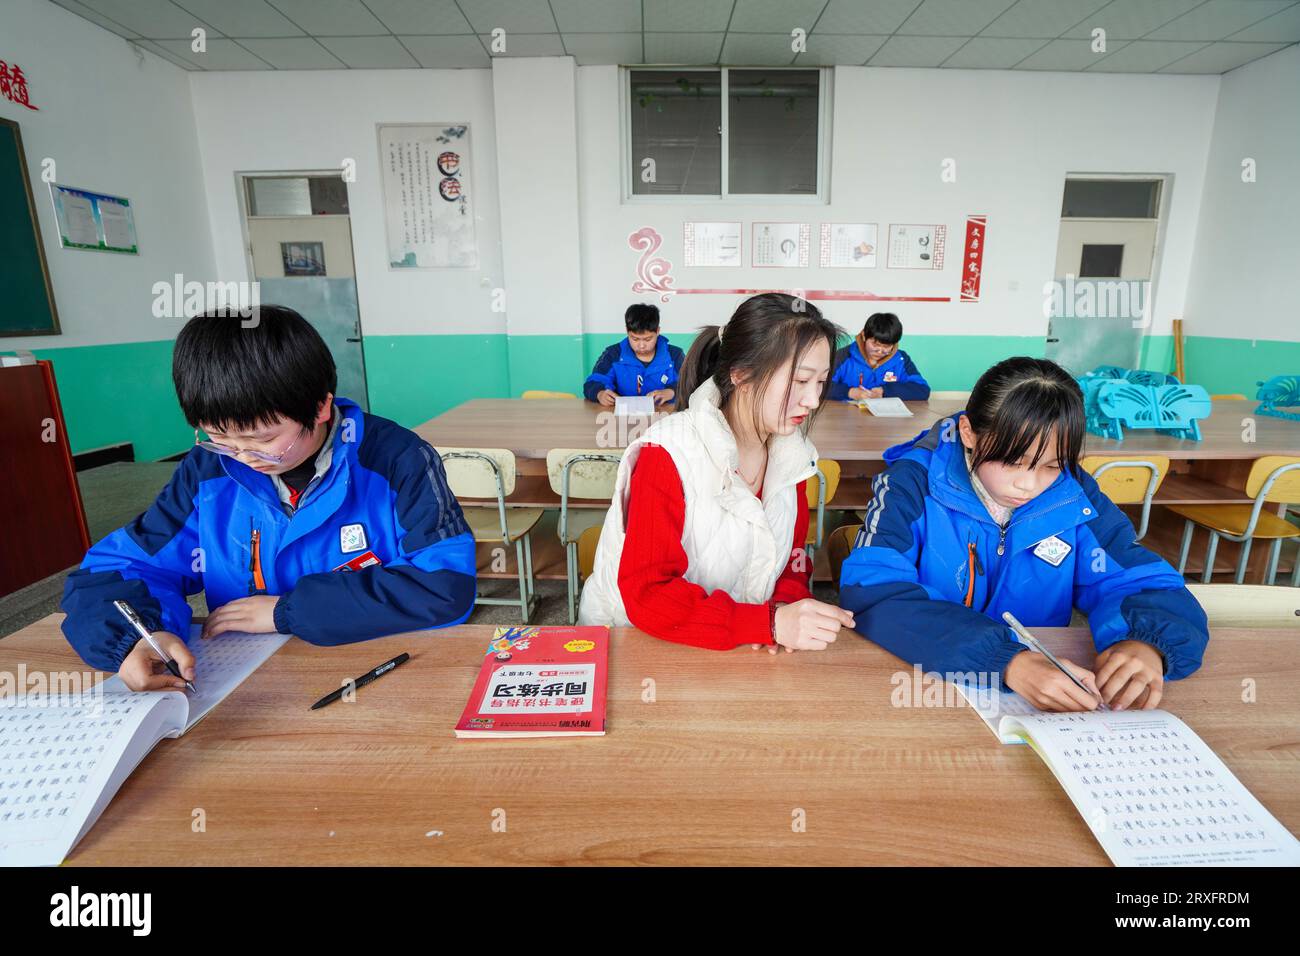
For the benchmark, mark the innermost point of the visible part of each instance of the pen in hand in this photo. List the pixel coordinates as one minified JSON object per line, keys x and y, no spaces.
{"x":132,"y":618}
{"x":1037,"y":645}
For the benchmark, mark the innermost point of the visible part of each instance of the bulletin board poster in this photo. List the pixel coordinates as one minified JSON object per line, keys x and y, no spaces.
{"x":916,"y":247}
{"x":779,"y":245}
{"x":849,"y":245}
{"x":711,"y":244}
{"x":96,"y":221}
{"x":428,"y":211}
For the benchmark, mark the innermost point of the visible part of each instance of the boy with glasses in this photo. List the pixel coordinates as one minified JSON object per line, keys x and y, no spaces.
{"x":299,"y":513}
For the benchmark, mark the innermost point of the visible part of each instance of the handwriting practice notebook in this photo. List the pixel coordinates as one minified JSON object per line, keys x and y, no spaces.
{"x":885,"y":407}
{"x":61,"y":761}
{"x":1152,"y":791}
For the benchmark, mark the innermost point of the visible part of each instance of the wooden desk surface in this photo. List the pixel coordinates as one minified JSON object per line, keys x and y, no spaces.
{"x":533,"y":427}
{"x":710,"y":773}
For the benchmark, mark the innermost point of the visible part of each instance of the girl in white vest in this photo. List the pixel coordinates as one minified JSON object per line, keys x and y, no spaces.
{"x":704,"y":540}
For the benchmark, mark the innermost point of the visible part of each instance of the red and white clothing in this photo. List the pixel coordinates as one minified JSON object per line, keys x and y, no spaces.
{"x":697,"y":557}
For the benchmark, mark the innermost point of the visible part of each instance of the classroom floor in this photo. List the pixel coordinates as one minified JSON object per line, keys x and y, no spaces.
{"x":114,"y":494}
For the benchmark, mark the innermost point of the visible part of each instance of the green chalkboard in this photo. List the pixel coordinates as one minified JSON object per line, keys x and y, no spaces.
{"x":27,"y":304}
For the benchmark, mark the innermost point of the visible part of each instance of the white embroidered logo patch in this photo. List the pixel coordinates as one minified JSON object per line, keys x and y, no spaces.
{"x":1052,"y":550}
{"x":352,"y":537}
{"x":663,"y":379}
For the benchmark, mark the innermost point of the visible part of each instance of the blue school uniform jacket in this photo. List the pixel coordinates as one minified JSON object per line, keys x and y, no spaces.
{"x":383,"y":505}
{"x":931,"y":572}
{"x":896,"y":375}
{"x":619,"y":370}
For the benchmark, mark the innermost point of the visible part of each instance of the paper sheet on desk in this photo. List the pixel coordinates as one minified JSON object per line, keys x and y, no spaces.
{"x":885,"y":407}
{"x":221,"y":664}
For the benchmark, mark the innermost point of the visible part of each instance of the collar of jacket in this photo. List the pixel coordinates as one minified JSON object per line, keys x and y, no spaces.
{"x":1061,"y":507}
{"x":790,"y":458}
{"x":326,"y":498}
{"x":860,"y":341}
{"x":626,"y":355}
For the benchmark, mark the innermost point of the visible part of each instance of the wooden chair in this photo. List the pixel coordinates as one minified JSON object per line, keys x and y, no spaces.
{"x":484,"y":473}
{"x":580,"y":473}
{"x":819,"y":496}
{"x":1248,"y":605}
{"x":1128,"y":481}
{"x":1272,"y":479}
{"x":839,"y":544}
{"x":543,"y":393}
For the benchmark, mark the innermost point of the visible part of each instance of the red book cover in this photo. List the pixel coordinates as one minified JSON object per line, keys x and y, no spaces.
{"x":540,"y":682}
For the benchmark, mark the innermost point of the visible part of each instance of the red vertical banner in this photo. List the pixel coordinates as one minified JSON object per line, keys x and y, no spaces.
{"x":973,"y":258}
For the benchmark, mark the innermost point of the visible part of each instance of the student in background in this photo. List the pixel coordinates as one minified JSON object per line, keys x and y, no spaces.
{"x":873,"y":366}
{"x":302,"y":514}
{"x":988,"y":511}
{"x":643,"y":363}
{"x":704,"y":541}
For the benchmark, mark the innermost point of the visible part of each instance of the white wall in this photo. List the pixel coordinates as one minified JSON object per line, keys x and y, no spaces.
{"x":1248,"y":247}
{"x":1014,"y":137}
{"x":260,"y":121}
{"x":538,"y":169}
{"x":118,"y":122}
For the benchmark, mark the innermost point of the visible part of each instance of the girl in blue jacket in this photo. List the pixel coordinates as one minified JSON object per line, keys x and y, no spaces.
{"x":988,"y":511}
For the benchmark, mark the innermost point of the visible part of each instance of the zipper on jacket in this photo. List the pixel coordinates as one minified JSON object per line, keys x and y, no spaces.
{"x":257,"y":583}
{"x":1002,"y":539}
{"x":973,"y":566}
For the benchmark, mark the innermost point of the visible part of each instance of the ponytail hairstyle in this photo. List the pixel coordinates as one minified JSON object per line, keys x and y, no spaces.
{"x":766,"y":333}
{"x":1017,"y":404}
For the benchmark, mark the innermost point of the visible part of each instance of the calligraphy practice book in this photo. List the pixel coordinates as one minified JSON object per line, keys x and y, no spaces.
{"x":1152,"y":791}
{"x":540,"y":682}
{"x":885,"y":407}
{"x":61,"y":761}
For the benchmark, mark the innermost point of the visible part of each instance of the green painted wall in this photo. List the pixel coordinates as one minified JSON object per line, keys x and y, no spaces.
{"x":115,"y":393}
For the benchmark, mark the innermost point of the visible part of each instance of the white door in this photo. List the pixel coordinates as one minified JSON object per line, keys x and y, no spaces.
{"x":1104,"y":266}
{"x":300,"y":252}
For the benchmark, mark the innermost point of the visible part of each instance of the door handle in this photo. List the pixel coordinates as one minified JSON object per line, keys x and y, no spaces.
{"x":351,"y":340}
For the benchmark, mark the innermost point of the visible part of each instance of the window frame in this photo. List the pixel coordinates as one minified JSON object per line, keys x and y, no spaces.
{"x":819,"y":198}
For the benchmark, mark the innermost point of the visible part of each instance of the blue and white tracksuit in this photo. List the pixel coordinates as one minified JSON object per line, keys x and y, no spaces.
{"x":383,"y":507}
{"x":931,"y":573}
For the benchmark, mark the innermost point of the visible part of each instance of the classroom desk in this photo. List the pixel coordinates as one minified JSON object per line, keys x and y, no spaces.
{"x":530,"y":428}
{"x":709,"y":773}
{"x":1211,"y":471}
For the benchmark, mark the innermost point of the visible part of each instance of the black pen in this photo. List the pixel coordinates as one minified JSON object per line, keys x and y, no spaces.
{"x":361,"y":681}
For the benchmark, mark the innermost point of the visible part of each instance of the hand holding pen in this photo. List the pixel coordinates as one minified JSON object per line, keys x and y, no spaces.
{"x":159,"y":660}
{"x":1046,"y":681}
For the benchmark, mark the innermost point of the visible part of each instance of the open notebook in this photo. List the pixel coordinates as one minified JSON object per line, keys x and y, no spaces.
{"x":62,"y":761}
{"x":1151,"y":790}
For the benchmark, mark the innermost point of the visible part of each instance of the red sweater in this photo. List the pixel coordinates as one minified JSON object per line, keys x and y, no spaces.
{"x":656,"y":596}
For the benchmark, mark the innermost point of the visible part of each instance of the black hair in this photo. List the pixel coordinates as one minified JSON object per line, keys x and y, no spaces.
{"x":238,"y":371}
{"x":766,"y":332}
{"x":1017,"y":404}
{"x":641,"y":317}
{"x":884,"y":327}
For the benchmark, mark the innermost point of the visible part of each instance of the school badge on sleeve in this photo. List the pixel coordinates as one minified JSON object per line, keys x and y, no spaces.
{"x":1052,"y":550}
{"x":352,"y":537}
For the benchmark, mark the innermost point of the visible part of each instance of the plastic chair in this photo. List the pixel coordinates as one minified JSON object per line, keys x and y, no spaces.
{"x":542,"y":393}
{"x":1228,"y":396}
{"x":839,"y":544}
{"x":580,"y":473}
{"x":484,"y":473}
{"x":819,"y":496}
{"x":1272,"y":479}
{"x":1128,"y":481}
